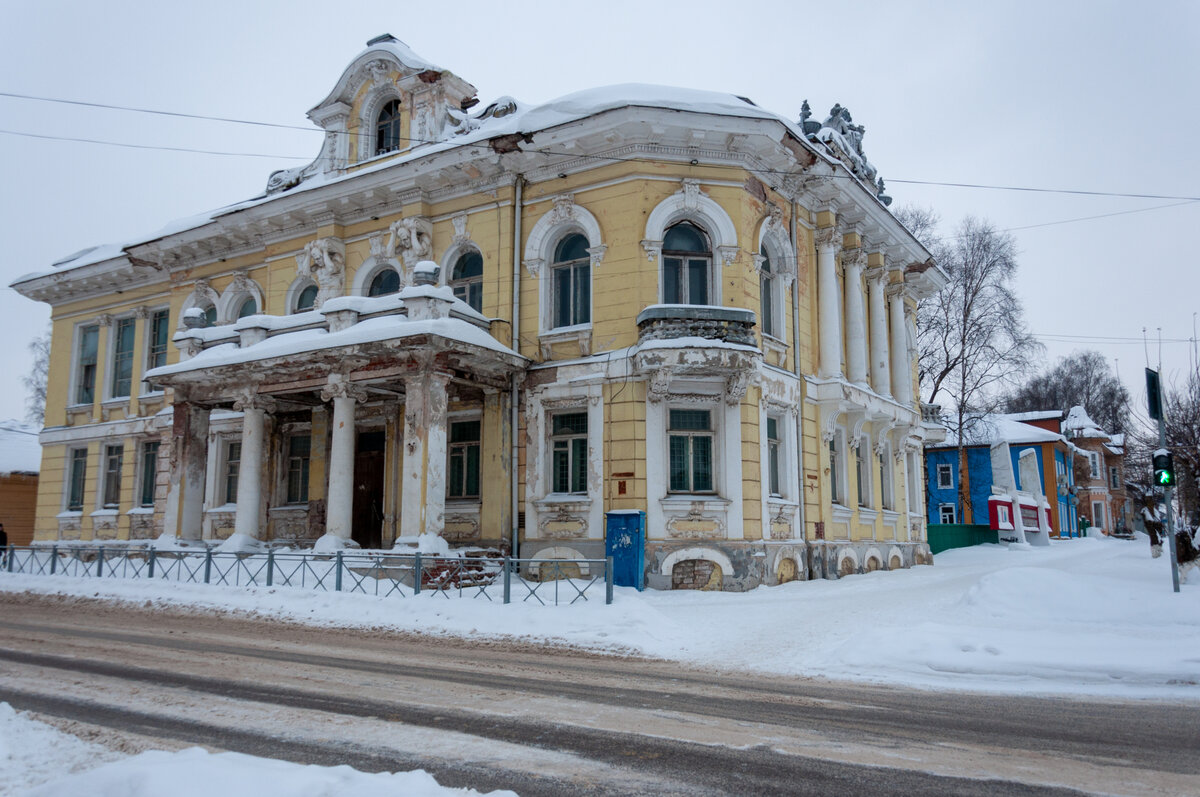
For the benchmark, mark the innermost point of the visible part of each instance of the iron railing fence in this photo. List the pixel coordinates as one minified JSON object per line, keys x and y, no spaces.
{"x":381,"y":573}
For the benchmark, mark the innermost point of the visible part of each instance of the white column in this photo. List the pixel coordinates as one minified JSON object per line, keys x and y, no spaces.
{"x":856,"y":318}
{"x":829,"y":241}
{"x":184,"y":516}
{"x":901,"y":371}
{"x":339,"y":502}
{"x":881,"y":379}
{"x":423,"y":490}
{"x":248,"y":519}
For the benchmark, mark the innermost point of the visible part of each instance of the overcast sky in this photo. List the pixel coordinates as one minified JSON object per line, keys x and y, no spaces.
{"x":1091,"y":96}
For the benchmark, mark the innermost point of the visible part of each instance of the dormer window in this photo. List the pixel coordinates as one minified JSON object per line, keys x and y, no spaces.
{"x":387,"y":128}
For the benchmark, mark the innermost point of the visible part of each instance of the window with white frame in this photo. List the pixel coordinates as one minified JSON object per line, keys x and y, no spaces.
{"x":946,"y":514}
{"x":76,"y":479}
{"x":945,"y":476}
{"x":687,"y":265}
{"x":113,"y":456}
{"x":249,"y":306}
{"x":571,"y":273}
{"x":887,"y":486}
{"x":385,"y":282}
{"x":466,"y":279}
{"x":299,"y":446}
{"x":690,"y":441}
{"x":912,"y":466}
{"x":836,"y":489}
{"x":158,"y":333}
{"x":1098,"y":514}
{"x":387,"y":128}
{"x":148,"y":477}
{"x":463,"y":459}
{"x":85,"y":364}
{"x":1114,"y":477}
{"x":230,"y":463}
{"x":774,"y":456}
{"x":569,"y":452}
{"x":306,"y":299}
{"x":1093,"y":465}
{"x":1003,"y":517}
{"x":766,"y":285}
{"x":862,"y":467}
{"x":122,"y":357}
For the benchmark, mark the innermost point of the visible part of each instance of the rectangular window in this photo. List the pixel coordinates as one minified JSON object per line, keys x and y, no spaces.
{"x":78,"y":476}
{"x":1098,"y":514}
{"x":685,"y":281}
{"x":568,"y":439}
{"x":156,"y":348}
{"x":149,"y":473}
{"x":233,"y":458}
{"x":463,"y":481}
{"x":862,"y":466}
{"x":766,"y":291}
{"x":297,"y":468}
{"x":572,"y":295}
{"x":690,"y":442}
{"x":773,"y":456}
{"x":887,"y":485}
{"x":946,"y":514}
{"x":85,"y":372}
{"x":1114,"y":478}
{"x":1094,"y":464}
{"x":945,"y":477}
{"x":122,"y":357}
{"x":113,"y":455}
{"x":834,"y":485}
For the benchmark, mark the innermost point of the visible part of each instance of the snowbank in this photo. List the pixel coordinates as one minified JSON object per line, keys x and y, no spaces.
{"x":48,"y":763}
{"x":1084,"y":616}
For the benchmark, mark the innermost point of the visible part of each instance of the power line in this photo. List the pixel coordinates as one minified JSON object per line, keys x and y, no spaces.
{"x":615,"y":158}
{"x":150,"y":146}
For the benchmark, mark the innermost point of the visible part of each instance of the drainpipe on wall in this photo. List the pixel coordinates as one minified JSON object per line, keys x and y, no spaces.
{"x":796,"y":369}
{"x":518,"y":195}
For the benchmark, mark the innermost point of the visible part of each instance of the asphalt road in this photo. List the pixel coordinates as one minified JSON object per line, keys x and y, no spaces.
{"x":545,"y":721}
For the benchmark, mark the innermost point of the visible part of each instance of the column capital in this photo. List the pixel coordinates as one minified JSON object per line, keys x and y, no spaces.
{"x":250,"y":400}
{"x":854,"y":258}
{"x":875,"y":274}
{"x":343,"y":389}
{"x":896,"y":290}
{"x":828,"y":238}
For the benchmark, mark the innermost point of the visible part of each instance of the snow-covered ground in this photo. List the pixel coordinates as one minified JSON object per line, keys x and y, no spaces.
{"x":40,"y":761}
{"x":1090,"y":616}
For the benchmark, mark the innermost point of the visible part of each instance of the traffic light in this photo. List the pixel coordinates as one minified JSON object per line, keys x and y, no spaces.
{"x":1164,"y":468}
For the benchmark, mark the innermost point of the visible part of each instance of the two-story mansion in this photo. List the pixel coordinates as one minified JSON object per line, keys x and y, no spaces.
{"x":499,"y":326}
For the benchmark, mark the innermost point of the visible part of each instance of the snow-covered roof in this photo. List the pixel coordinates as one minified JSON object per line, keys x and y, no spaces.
{"x":989,"y":430}
{"x":1079,"y":424}
{"x":20,"y":451}
{"x":1036,"y":415}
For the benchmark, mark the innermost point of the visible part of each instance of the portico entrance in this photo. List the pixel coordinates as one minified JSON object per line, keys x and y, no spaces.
{"x":367,"y":522}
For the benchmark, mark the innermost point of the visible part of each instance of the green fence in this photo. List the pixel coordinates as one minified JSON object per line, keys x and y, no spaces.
{"x":943,"y":537}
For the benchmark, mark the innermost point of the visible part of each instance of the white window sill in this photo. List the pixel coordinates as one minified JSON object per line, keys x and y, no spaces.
{"x":105,"y":513}
{"x":281,"y":508}
{"x":115,"y":401}
{"x":222,"y":509}
{"x":69,"y":513}
{"x":780,"y":500}
{"x":866,"y":514}
{"x":141,"y":510}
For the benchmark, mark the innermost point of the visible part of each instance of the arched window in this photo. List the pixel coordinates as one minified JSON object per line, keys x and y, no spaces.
{"x":387,"y":128}
{"x":467,"y":279}
{"x":687,"y":261}
{"x":571,"y":274}
{"x":306,"y":299}
{"x":766,"y":284}
{"x":210,"y":316}
{"x":385,"y":282}
{"x":248,"y":307}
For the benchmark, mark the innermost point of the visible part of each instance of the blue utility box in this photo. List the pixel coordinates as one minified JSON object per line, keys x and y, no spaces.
{"x":625,"y":542}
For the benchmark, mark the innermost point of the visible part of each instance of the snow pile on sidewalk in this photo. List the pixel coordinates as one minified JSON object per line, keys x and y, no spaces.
{"x":49,"y":763}
{"x":1090,"y":616}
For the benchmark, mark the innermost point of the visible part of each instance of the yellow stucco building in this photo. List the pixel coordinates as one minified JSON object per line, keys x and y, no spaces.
{"x":500,"y":325}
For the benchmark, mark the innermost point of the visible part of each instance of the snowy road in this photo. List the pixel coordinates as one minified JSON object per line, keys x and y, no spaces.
{"x":545,"y":721}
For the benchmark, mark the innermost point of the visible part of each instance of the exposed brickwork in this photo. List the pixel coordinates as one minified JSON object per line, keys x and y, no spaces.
{"x":695,"y":574}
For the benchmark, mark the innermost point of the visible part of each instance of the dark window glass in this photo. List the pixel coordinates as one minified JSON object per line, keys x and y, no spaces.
{"x":306,"y":299}
{"x":210,"y":316}
{"x":464,"y":459}
{"x":149,"y":473}
{"x":85,"y":390}
{"x":385,"y":282}
{"x":685,"y":237}
{"x":767,"y":295}
{"x":569,"y":449}
{"x":572,"y":282}
{"x":233,"y":458}
{"x":122,"y":357}
{"x":835,"y":488}
{"x":297,"y":472}
{"x":249,"y":307}
{"x":387,"y":128}
{"x":78,"y":477}
{"x":690,"y":451}
{"x":685,"y":276}
{"x":156,"y":355}
{"x":467,"y":280}
{"x":773,"y":456}
{"x":113,"y":455}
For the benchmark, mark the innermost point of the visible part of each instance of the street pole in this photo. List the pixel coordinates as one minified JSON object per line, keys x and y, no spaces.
{"x":1154,"y":404}
{"x":1168,"y":494}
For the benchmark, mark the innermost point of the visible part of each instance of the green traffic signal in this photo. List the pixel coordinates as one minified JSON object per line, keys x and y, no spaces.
{"x":1164,"y":469}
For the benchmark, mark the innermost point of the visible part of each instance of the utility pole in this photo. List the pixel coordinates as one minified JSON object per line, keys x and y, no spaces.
{"x":1164,"y":467}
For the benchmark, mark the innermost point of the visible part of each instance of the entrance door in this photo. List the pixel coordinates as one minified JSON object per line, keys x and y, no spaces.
{"x":367,"y":529}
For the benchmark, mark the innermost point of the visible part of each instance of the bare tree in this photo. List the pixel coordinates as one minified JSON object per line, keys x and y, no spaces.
{"x":972,"y":341}
{"x":35,"y":381}
{"x":1085,"y":379}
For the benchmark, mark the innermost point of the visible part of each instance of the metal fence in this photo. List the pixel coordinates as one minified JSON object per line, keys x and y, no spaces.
{"x":544,"y":581}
